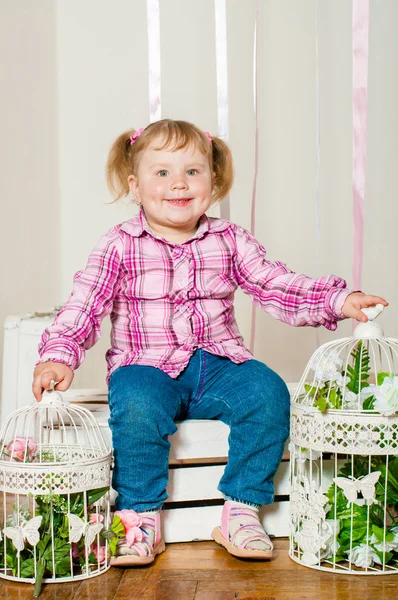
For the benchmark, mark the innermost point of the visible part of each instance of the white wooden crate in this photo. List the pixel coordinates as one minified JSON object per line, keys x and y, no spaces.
{"x":198,"y":456}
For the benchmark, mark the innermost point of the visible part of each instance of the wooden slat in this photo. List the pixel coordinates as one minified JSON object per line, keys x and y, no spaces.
{"x":200,"y":483}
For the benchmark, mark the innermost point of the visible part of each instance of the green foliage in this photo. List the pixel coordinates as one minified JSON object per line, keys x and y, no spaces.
{"x":115,"y":533}
{"x":359,"y":372}
{"x":358,"y":524}
{"x":329,"y":395}
{"x":381,"y":377}
{"x":54,"y":537}
{"x":325,"y":397}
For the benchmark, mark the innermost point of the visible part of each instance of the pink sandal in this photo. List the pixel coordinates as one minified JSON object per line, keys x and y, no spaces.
{"x":137,"y":538}
{"x":255,"y":532}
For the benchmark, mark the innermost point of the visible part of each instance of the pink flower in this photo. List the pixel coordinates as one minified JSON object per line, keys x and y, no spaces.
{"x":129,"y":518}
{"x":132,"y":523}
{"x":133,"y":535}
{"x":18,"y":446}
{"x":99,"y":553}
{"x":95,"y":518}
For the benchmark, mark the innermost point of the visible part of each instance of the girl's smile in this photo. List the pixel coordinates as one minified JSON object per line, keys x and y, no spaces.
{"x":178,"y":201}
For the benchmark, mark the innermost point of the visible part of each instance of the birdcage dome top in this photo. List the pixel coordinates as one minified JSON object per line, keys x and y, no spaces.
{"x":51,"y":447}
{"x":354,"y":374}
{"x":347,"y":398}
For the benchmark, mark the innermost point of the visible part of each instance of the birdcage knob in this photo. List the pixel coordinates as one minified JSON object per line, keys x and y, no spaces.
{"x":370,"y":329}
{"x":52,"y":397}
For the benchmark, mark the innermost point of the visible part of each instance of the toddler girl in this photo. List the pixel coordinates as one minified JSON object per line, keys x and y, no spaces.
{"x":167,"y":279}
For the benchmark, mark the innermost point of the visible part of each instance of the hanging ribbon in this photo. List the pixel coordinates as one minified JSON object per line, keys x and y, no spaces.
{"x":360,"y":47}
{"x":222,"y":83}
{"x":153,"y":24}
{"x":317,"y":141}
{"x":254,"y":190}
{"x":318,"y":156}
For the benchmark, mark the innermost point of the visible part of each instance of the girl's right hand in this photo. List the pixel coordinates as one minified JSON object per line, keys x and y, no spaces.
{"x":49,"y":371}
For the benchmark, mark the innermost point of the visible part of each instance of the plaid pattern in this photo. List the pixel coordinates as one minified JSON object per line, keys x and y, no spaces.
{"x":165,"y":300}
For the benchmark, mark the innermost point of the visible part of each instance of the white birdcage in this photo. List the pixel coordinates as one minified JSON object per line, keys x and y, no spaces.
{"x":54,"y":494}
{"x":344,"y":456}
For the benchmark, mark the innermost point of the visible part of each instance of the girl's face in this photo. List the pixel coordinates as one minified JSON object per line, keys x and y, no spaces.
{"x":174,"y":188}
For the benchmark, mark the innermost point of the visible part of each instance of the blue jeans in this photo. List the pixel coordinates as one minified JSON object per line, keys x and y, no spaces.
{"x":145,"y":402}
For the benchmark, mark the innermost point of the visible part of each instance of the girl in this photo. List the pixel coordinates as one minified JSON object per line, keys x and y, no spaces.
{"x":167,"y":278}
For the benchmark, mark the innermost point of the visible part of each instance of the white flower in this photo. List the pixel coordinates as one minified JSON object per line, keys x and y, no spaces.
{"x":387,"y":546}
{"x":305,"y":454}
{"x":370,"y":390}
{"x":351,"y":401}
{"x":363,"y":556}
{"x":387,"y":396}
{"x":326,"y":367}
{"x":341,"y":381}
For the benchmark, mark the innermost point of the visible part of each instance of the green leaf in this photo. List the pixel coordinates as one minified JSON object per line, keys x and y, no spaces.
{"x":117,"y":526}
{"x":333,"y":397}
{"x":369,"y":403}
{"x":379,"y":533}
{"x":94,"y":495}
{"x":28,"y":568}
{"x":321,"y":404}
{"x":392,"y":487}
{"x":381,"y":377}
{"x":359,"y":373}
{"x":61,"y":549}
{"x":385,"y":557}
{"x":310,"y":389}
{"x":62,"y":567}
{"x":42,"y":544}
{"x":12,"y":563}
{"x":76,"y":500}
{"x":112,"y":546}
{"x":393,"y":465}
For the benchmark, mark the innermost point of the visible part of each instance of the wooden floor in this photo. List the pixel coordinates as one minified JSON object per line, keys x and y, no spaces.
{"x":205,"y":571}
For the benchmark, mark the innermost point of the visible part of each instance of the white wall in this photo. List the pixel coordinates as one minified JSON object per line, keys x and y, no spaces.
{"x":79,"y":77}
{"x":29,"y":198}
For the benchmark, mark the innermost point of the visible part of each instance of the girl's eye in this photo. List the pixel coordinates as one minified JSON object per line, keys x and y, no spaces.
{"x":162,"y":173}
{"x":192,"y":172}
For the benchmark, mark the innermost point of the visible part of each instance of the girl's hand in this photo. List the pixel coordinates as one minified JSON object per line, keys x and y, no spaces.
{"x":357,"y":300}
{"x":46,"y":372}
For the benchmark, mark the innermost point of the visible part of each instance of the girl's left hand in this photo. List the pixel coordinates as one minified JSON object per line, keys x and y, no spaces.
{"x":357,"y":300}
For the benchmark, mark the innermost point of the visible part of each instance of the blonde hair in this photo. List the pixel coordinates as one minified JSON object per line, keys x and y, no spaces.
{"x":124,"y":157}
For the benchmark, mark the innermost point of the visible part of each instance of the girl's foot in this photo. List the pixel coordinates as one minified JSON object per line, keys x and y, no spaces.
{"x":241,"y":532}
{"x":143,"y":539}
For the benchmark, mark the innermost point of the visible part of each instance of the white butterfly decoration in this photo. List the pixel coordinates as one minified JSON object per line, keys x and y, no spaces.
{"x":365,"y":485}
{"x":27,"y":531}
{"x":78,"y":527}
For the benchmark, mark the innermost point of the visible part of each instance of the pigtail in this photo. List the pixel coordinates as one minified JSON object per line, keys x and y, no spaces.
{"x":120,"y":165}
{"x":223,"y":169}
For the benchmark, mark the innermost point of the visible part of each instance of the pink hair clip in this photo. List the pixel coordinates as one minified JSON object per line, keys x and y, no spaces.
{"x":136,"y":135}
{"x":207,"y":134}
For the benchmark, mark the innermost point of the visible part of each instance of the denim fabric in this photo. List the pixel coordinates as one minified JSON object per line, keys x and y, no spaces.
{"x":145,"y":402}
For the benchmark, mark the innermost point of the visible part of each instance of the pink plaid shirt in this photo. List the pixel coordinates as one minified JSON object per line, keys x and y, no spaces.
{"x":166,"y":300}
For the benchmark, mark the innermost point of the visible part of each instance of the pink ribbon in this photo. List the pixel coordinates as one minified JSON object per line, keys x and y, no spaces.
{"x":222,"y":83}
{"x":254,"y":190}
{"x":153,"y":25}
{"x":360,"y":47}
